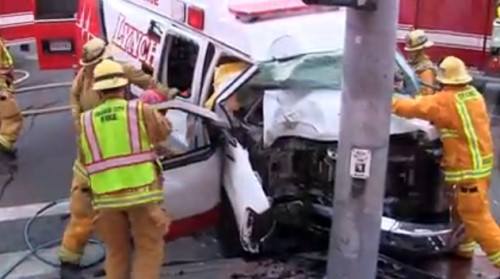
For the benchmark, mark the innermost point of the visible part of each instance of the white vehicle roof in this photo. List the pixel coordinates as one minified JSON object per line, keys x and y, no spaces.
{"x":266,"y":39}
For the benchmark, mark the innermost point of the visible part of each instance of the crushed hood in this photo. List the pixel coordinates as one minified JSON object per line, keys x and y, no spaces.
{"x":315,"y":115}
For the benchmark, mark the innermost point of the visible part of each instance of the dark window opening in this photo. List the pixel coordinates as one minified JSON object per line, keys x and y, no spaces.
{"x":55,"y":9}
{"x":181,"y":62}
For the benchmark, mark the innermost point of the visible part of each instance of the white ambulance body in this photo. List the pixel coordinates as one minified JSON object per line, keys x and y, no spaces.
{"x":180,"y":44}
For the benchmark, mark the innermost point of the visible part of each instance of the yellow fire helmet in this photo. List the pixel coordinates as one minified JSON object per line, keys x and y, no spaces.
{"x":93,"y":52}
{"x":108,"y":75}
{"x":417,"y":40}
{"x":453,"y":71}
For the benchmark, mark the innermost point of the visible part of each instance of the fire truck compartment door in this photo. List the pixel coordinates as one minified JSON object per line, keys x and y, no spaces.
{"x":55,"y":33}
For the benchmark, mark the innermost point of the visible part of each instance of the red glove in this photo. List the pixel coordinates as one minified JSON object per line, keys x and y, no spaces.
{"x":151,"y":97}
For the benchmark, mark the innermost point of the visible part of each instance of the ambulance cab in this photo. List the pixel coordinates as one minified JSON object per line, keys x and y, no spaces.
{"x":262,"y":157}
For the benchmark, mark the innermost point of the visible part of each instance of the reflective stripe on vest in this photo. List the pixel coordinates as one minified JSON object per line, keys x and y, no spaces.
{"x":137,"y":156}
{"x":460,"y":175}
{"x":495,"y":259}
{"x":468,"y":246}
{"x":116,"y":150}
{"x":448,"y":133}
{"x":481,"y":165}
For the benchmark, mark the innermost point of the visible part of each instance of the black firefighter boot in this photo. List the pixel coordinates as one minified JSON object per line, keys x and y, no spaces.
{"x":9,"y":154}
{"x":70,"y":271}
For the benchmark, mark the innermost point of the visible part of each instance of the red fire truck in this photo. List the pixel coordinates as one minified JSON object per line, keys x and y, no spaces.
{"x":462,"y":28}
{"x":49,"y":23}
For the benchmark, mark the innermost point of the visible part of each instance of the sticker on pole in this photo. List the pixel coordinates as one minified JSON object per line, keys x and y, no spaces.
{"x":360,"y":163}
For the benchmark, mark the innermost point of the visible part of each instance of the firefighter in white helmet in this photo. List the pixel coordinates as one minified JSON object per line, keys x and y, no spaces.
{"x":10,"y":115}
{"x":416,"y":44}
{"x":116,"y":145}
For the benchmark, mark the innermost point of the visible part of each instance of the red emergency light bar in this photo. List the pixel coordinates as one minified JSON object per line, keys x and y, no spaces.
{"x":196,"y":17}
{"x":269,"y":9}
{"x":190,"y":15}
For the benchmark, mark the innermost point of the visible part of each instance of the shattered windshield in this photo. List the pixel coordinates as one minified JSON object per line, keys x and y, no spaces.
{"x":322,"y":70}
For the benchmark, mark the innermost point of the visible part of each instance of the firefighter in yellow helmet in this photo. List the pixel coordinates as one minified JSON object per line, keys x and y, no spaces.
{"x":416,"y":43}
{"x":84,"y":98}
{"x":458,"y":110}
{"x":10,"y":116}
{"x":116,"y":145}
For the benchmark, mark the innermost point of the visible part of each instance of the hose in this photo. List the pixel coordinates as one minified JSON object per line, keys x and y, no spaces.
{"x":31,"y":112}
{"x":27,"y":89}
{"x":25,"y":76}
{"x":33,"y":250}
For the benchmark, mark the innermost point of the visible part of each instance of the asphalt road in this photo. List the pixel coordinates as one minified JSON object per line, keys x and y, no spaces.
{"x":43,"y":174}
{"x":46,"y":148}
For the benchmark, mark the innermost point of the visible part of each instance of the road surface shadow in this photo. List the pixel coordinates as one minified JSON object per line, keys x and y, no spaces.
{"x":453,"y":268}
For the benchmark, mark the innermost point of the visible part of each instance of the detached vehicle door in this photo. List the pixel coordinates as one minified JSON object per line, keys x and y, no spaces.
{"x":192,"y":165}
{"x":55,"y":33}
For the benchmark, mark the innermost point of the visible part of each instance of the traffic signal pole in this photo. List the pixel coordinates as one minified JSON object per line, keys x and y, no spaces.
{"x":369,"y":68}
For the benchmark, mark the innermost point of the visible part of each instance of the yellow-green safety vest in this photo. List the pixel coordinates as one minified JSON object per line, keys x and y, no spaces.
{"x":118,"y":155}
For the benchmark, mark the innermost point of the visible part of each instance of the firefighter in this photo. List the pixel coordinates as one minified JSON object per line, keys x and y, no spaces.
{"x":116,"y":146}
{"x":11,"y":119}
{"x":84,"y":98}
{"x":416,"y":43}
{"x":458,"y":110}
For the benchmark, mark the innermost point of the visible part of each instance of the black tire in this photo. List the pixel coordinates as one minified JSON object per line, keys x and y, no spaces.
{"x":227,"y":229}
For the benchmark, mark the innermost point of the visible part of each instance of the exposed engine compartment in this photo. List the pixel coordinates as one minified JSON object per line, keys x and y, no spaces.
{"x":298,"y":175}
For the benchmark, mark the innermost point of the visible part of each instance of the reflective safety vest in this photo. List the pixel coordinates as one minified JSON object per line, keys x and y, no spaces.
{"x":117,"y":154}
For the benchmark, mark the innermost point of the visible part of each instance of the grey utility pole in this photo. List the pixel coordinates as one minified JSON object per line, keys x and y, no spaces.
{"x":369,"y":66}
{"x":370,"y":46}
